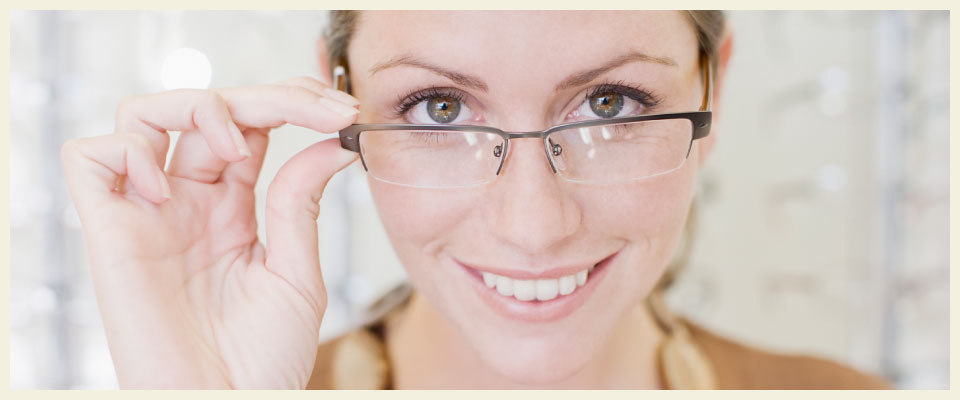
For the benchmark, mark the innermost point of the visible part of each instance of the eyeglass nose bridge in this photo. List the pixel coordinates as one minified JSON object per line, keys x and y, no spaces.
{"x":556,"y":149}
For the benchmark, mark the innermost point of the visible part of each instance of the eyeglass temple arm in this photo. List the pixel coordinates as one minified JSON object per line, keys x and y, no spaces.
{"x":339,"y":78}
{"x":707,"y":103}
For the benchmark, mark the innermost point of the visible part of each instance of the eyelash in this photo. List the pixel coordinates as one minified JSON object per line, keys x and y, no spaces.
{"x":647,"y":98}
{"x":405,"y":103}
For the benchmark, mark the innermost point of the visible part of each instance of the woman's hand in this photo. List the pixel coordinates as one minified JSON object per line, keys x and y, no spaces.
{"x":189,"y":296}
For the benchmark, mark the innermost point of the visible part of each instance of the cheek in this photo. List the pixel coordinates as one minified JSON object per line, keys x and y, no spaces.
{"x":420,"y":221}
{"x":643,"y":210}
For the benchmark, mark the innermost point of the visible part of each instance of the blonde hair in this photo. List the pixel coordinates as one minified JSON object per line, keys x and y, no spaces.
{"x":709,"y":25}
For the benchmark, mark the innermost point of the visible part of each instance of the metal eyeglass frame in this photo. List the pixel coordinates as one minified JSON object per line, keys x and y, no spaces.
{"x":700,"y":120}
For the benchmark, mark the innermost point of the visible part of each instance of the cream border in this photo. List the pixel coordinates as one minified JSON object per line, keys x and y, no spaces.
{"x":358,"y":4}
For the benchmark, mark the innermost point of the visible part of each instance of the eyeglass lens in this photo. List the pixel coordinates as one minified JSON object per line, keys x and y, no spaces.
{"x":597,"y":154}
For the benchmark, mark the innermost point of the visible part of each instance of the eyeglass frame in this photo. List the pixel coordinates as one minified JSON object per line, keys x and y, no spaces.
{"x":700,"y":120}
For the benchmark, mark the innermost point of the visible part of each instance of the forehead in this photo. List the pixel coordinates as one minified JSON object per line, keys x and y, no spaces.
{"x":520,"y":42}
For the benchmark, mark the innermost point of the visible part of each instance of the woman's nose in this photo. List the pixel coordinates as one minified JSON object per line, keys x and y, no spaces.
{"x":531,"y":210}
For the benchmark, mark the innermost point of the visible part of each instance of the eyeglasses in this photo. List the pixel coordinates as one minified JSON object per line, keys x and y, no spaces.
{"x":600,"y":151}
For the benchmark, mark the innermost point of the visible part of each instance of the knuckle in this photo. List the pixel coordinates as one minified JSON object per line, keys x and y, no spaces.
{"x":282,"y":198}
{"x":294,"y":91}
{"x":322,"y":300}
{"x":307,"y":80}
{"x":135,"y":141}
{"x":208,"y":104}
{"x":303,"y":80}
{"x":275,"y":193}
{"x":125,"y":107}
{"x":70,"y":150}
{"x":208,"y":99}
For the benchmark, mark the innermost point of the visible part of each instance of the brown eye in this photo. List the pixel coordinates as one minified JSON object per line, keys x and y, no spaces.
{"x":606,"y":105}
{"x":443,"y":109}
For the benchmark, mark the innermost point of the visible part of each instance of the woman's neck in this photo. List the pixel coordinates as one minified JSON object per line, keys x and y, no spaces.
{"x":426,"y":352}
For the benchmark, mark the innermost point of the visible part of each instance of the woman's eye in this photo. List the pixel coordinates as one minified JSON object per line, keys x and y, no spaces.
{"x":616,"y":100}
{"x":443,"y":109}
{"x":609,"y":105}
{"x":436,"y":109}
{"x":606,"y":105}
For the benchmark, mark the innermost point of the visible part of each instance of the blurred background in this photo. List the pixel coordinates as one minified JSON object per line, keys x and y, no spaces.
{"x":823,"y":213}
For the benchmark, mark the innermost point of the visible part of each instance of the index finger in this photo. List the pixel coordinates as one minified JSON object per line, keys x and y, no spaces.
{"x":269,"y":106}
{"x":216,"y":114}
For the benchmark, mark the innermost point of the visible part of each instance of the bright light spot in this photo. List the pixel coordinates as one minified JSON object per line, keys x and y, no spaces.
{"x":834,"y":82}
{"x":592,"y":153}
{"x":471,"y":138}
{"x":831,"y":178}
{"x":585,"y":136}
{"x":605,"y":133}
{"x":834,"y":79}
{"x":185,"y":68}
{"x":43,"y":300}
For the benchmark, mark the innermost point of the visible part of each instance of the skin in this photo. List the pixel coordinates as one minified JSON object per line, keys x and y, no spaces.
{"x":185,"y":305}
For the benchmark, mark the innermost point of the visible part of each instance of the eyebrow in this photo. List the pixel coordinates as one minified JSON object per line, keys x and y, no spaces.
{"x":409,"y":60}
{"x":473,"y":82}
{"x":585,"y":77}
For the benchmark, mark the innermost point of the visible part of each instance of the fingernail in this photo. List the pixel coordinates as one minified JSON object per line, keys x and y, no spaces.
{"x":238,"y":139}
{"x":340,"y":96}
{"x":164,"y":185}
{"x":338,"y":107}
{"x":345,"y":156}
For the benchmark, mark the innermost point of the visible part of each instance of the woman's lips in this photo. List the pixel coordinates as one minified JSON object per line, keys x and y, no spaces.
{"x":526,"y":306}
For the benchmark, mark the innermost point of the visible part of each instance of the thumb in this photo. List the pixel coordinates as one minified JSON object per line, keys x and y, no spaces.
{"x":291,"y":214}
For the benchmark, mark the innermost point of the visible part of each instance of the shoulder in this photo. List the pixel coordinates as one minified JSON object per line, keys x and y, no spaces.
{"x":354,"y":360}
{"x":739,"y":366}
{"x":358,"y":359}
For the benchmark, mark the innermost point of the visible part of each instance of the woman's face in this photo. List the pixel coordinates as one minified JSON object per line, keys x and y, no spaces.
{"x":503,"y":71}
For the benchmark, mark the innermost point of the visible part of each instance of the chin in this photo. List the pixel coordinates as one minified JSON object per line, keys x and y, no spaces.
{"x":534,"y":361}
{"x":535,"y":354}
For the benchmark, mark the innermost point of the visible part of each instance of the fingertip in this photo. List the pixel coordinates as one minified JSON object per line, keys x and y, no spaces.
{"x":243,"y":150}
{"x":339,"y":108}
{"x":341,"y":97}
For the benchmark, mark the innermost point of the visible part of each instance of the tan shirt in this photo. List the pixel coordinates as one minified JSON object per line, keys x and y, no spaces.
{"x":690,"y":357}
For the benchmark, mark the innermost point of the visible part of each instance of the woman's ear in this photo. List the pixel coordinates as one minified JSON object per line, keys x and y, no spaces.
{"x":723,"y":58}
{"x":326,"y":73}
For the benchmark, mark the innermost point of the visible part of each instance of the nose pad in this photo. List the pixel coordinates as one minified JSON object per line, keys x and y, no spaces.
{"x":556,"y":150}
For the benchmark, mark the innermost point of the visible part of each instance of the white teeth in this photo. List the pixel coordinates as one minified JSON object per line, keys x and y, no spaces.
{"x":567,"y":285}
{"x":539,"y":289}
{"x":490,"y":280}
{"x":504,"y":286}
{"x":524,"y":290}
{"x":547,"y":289}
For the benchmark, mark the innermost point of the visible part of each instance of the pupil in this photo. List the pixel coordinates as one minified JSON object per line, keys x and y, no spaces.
{"x":443,"y":109}
{"x":607,"y":105}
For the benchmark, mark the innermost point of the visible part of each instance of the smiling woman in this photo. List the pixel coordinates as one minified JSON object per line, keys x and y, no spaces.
{"x":533,"y":170}
{"x":517,"y":269}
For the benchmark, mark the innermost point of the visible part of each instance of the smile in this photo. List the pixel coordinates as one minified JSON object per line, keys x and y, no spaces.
{"x":539,"y":289}
{"x":536,"y":297}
